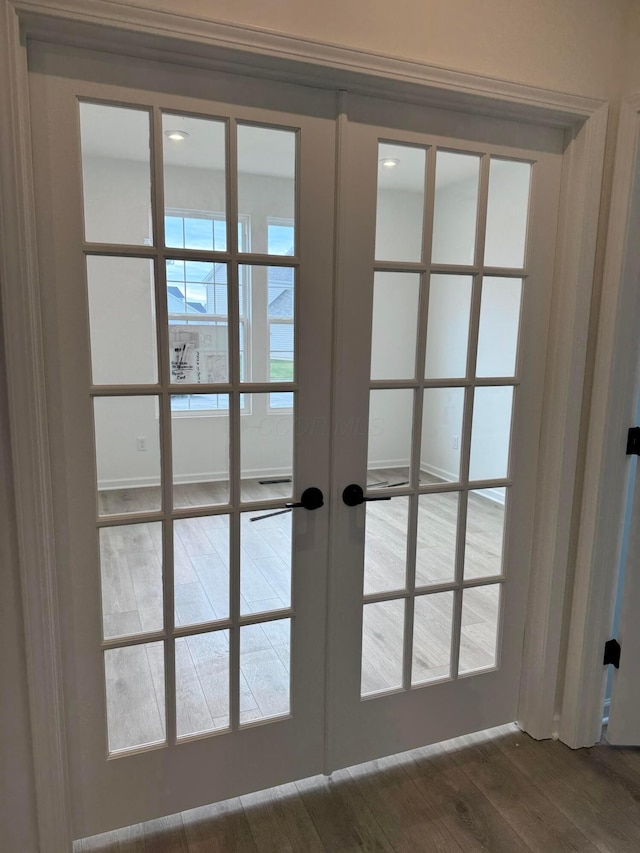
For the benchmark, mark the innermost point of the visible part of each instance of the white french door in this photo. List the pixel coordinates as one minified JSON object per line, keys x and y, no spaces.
{"x":201,"y":378}
{"x":447,"y":244}
{"x":186,"y":233}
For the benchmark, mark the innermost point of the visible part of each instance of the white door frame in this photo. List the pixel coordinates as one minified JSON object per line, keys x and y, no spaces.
{"x":192,"y":41}
{"x":614,"y":401}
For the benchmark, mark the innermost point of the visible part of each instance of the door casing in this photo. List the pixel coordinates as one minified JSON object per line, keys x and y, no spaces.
{"x":614,"y":404}
{"x":585,"y":123}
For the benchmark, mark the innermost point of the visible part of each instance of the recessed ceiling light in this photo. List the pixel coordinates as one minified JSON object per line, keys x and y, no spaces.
{"x":389,"y":162}
{"x":176,"y":135}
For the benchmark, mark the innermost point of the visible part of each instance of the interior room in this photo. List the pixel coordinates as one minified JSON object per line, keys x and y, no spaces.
{"x":127,"y":428}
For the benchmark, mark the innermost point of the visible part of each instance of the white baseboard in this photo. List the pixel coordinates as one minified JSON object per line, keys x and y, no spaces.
{"x":440,"y":473}
{"x":105,"y":485}
{"x":387,"y":463}
{"x":494,"y":495}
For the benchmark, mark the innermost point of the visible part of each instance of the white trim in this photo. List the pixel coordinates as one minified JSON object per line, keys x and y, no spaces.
{"x":201,"y":41}
{"x":449,"y":477}
{"x":613,"y":405}
{"x":388,"y":463}
{"x":171,"y":37}
{"x":20,"y":294}
{"x":564,"y":385}
{"x":189,"y":479}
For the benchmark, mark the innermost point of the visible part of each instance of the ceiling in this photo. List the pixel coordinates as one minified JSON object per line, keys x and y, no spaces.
{"x":123,"y":133}
{"x":409,"y":172}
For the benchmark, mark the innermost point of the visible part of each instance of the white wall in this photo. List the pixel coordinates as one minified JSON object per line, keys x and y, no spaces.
{"x":200,"y":443}
{"x":569,"y":45}
{"x":448,"y":329}
{"x":395,"y":305}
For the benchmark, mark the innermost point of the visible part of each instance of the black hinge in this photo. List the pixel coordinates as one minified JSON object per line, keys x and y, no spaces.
{"x":633,"y":442}
{"x":612,"y":653}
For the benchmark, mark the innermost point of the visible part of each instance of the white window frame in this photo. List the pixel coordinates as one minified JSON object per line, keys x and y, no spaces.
{"x":279,"y":220}
{"x":244,"y":321}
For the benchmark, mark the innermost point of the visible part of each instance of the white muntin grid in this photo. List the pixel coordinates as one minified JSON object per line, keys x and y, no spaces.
{"x":157,"y":255}
{"x":477,"y":271}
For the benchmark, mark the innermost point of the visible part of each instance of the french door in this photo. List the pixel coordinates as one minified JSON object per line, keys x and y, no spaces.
{"x":447,"y":243}
{"x":202,"y":378}
{"x":186,"y":233}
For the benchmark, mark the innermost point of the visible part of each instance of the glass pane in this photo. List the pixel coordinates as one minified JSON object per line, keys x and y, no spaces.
{"x":122,"y":320}
{"x":266,"y":183}
{"x":400,"y":206}
{"x":485,"y":533}
{"x":194,"y":182}
{"x":198,"y":321}
{"x":266,"y":450}
{"x":479,"y":630}
{"x":265,"y":664}
{"x":441,"y":435}
{"x":281,"y":400}
{"x":395,"y":316}
{"x":507,"y":213}
{"x":272,"y":312}
{"x":202,"y":683}
{"x":491,"y":433}
{"x":448,"y":326}
{"x":382,"y":646}
{"x":499,"y":326}
{"x":385,"y":554}
{"x":201,"y":569}
{"x":265,"y":561}
{"x":436,"y":540}
{"x":127,"y":454}
{"x":432,"y":620}
{"x":135,"y":696}
{"x":200,"y":451}
{"x":131,"y":579}
{"x":280,"y":237}
{"x":456,"y":208}
{"x":116,"y":175}
{"x":390,"y":422}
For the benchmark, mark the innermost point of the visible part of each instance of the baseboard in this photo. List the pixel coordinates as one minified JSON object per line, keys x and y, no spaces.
{"x":493,"y":495}
{"x":188,"y":479}
{"x":387,"y":463}
{"x":440,"y":473}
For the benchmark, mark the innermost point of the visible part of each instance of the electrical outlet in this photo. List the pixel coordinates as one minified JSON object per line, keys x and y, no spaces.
{"x":455,"y":442}
{"x":142,"y":442}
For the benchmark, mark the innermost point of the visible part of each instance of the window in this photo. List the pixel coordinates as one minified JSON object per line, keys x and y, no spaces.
{"x":197,"y":231}
{"x":197,"y":306}
{"x":280,"y":310}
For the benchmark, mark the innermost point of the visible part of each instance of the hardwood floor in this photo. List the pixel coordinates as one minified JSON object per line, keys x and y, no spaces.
{"x":131,"y":563}
{"x":497,"y":791}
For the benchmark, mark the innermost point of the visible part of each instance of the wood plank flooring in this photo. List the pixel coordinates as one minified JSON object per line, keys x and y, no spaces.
{"x":497,"y":791}
{"x":131,"y":561}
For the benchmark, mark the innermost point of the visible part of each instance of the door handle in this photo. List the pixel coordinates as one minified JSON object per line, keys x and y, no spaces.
{"x":353,"y":495}
{"x":311,"y":498}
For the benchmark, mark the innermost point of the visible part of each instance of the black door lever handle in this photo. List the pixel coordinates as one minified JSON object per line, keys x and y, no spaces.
{"x":353,"y":495}
{"x":311,"y":498}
